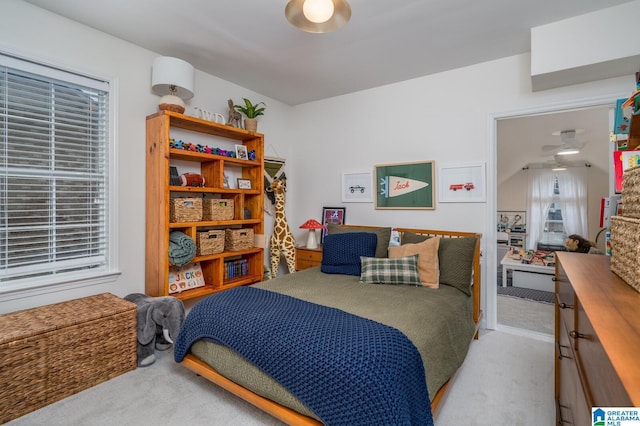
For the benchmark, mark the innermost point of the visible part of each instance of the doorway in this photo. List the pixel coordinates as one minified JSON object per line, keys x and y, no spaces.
{"x":519,"y":138}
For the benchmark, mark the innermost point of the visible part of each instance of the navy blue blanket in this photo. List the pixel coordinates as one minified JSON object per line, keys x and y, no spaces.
{"x":347,"y":369}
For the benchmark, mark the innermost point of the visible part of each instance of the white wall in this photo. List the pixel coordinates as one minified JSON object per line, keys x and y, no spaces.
{"x":585,"y":48}
{"x":35,"y":32}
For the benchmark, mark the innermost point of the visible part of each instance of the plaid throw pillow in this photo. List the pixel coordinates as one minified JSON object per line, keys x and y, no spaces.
{"x":399,"y":270}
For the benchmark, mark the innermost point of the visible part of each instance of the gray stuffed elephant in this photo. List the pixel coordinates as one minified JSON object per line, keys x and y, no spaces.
{"x":159,"y":322}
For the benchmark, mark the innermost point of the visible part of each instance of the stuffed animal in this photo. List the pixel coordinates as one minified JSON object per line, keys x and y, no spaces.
{"x":578,"y":244}
{"x":159,"y":322}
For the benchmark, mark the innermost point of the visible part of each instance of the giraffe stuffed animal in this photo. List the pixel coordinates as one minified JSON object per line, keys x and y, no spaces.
{"x":281,"y":242}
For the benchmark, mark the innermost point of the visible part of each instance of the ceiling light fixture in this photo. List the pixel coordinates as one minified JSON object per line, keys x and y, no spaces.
{"x":318,"y":16}
{"x":568,"y":151}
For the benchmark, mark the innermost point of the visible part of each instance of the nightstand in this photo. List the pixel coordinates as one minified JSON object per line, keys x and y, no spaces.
{"x":308,"y":258}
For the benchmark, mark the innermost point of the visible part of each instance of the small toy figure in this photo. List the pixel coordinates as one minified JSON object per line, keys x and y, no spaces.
{"x":235,"y":117}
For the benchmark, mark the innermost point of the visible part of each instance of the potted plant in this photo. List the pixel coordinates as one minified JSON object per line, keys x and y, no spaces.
{"x":251,"y":111}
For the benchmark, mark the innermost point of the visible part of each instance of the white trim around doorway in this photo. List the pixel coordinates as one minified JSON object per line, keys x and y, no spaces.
{"x":491,"y":315}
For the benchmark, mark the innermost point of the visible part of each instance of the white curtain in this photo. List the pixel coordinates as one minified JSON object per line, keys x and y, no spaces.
{"x":541,"y":182}
{"x":572,"y":185}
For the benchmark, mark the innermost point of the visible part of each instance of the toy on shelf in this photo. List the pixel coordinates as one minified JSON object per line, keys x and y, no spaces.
{"x":191,"y":179}
{"x":205,"y":149}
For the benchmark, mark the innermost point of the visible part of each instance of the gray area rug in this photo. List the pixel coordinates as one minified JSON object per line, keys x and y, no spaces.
{"x":527,"y":293}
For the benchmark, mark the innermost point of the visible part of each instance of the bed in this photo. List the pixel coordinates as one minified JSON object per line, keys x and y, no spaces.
{"x":439,"y":322}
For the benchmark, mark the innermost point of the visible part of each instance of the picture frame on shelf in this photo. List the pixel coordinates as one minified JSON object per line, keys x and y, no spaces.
{"x":407,"y":186}
{"x":464,"y":183}
{"x":241,"y":152}
{"x":244,"y":183}
{"x":357,"y":186}
{"x":335,"y":215}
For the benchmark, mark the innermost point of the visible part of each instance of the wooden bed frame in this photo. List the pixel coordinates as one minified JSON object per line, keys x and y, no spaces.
{"x":292,"y":417}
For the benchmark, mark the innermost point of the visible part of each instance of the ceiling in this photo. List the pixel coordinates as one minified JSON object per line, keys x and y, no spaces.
{"x":520,"y":140}
{"x":250,"y":43}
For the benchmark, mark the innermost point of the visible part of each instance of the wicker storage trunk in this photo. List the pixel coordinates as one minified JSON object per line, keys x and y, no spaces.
{"x":185,"y":210}
{"x":210,"y":242}
{"x":625,"y":249}
{"x":238,"y":239}
{"x":54,"y":351}
{"x":217,"y":209}
{"x":631,"y":193}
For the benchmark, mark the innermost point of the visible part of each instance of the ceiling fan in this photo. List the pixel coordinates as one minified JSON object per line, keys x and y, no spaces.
{"x":569,"y":144}
{"x":558,"y":163}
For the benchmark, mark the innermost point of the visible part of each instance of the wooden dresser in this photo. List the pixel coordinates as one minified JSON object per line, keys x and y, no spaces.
{"x":597,"y":333}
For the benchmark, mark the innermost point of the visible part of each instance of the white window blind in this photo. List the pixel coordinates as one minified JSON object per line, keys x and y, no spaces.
{"x":53,"y":173}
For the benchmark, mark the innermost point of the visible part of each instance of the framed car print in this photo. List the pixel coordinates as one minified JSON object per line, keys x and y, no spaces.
{"x":357,"y":186}
{"x":463,"y":183}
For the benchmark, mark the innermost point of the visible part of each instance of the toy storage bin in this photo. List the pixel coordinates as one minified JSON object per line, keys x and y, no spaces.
{"x":625,"y":249}
{"x":217,"y":209}
{"x":185,"y":210}
{"x":51,"y":352}
{"x":238,"y":239}
{"x":631,"y":193}
{"x":210,"y":242}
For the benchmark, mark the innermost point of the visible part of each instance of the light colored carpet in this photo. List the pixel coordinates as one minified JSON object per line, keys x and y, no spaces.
{"x":507,"y":379}
{"x":526,"y":314}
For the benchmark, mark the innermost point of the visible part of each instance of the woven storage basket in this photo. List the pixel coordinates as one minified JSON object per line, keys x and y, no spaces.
{"x":625,"y":249}
{"x":238,"y":239}
{"x":54,"y":351}
{"x":631,"y":192}
{"x":217,"y":209}
{"x":210,"y":242}
{"x":185,"y":210}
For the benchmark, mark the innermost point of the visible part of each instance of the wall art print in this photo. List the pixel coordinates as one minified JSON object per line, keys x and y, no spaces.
{"x":357,"y":186}
{"x":335,"y":215}
{"x":462,"y":183}
{"x":405,"y":186}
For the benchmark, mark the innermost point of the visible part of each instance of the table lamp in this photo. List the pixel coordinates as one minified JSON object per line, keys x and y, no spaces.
{"x":172,"y":78}
{"x":312,"y":225}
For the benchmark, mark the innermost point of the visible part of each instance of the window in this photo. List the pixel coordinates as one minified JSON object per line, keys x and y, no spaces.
{"x":556,"y":206}
{"x":554,"y":234}
{"x":54,"y":176}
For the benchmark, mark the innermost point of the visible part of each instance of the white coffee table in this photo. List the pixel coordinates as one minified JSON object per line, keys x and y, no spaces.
{"x":516,"y":265}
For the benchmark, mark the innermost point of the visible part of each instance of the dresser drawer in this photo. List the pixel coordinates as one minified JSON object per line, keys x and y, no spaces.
{"x":565,"y":304}
{"x":309,"y":255}
{"x":600,"y":379}
{"x":573,"y":408}
{"x":308,"y":258}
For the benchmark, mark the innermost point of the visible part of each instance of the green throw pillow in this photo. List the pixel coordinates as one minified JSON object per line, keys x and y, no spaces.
{"x":411,"y":238}
{"x":383,"y":234}
{"x":398,"y":270}
{"x":456,"y":262}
